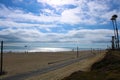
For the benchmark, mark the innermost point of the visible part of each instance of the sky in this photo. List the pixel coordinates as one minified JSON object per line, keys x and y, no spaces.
{"x":83,"y":21}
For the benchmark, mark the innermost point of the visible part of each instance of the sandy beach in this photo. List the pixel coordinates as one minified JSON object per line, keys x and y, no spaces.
{"x":18,"y":63}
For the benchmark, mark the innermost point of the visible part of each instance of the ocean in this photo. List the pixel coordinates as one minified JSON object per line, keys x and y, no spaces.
{"x":49,"y":46}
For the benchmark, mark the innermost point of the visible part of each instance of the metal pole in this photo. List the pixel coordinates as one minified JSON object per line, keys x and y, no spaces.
{"x":114,"y":28}
{"x":1,"y":68}
{"x":117,"y":34}
{"x":113,"y":43}
{"x":116,"y":31}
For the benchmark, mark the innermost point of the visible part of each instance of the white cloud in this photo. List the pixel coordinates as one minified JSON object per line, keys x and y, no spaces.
{"x":70,"y":16}
{"x":22,"y":34}
{"x":86,"y":11}
{"x":89,"y":35}
{"x":9,"y":23}
{"x":57,"y":2}
{"x":109,"y":14}
{"x":84,"y":35}
{"x":33,"y":18}
{"x":48,"y":11}
{"x":19,"y":15}
{"x":97,"y":7}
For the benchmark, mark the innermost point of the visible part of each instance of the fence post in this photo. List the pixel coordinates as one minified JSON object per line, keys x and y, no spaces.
{"x":1,"y":65}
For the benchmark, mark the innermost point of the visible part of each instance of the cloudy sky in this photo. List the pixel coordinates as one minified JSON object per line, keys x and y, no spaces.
{"x":85,"y":21}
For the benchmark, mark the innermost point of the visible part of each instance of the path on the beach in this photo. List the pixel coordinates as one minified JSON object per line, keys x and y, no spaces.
{"x":41,"y":71}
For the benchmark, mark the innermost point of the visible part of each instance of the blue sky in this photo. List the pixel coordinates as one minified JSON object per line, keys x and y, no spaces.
{"x":84,"y":21}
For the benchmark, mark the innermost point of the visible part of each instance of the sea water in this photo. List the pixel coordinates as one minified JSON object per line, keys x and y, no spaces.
{"x":48,"y":46}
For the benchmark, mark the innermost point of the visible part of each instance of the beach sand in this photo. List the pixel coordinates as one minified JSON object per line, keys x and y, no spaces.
{"x":17,"y":63}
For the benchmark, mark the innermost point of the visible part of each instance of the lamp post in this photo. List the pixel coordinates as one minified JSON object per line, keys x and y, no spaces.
{"x":77,"y":52}
{"x":115,"y":31}
{"x":26,"y":48}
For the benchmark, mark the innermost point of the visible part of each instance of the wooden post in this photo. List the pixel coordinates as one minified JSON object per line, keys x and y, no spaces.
{"x":1,"y":65}
{"x":77,"y":52}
